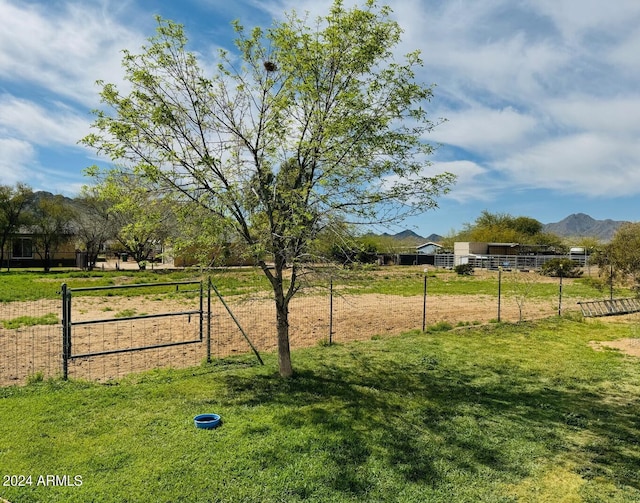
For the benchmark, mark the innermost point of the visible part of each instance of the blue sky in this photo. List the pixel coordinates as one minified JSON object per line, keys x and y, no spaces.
{"x":541,"y":97}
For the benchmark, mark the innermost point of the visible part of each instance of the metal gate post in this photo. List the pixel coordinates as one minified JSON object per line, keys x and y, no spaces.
{"x":560,"y":294}
{"x":424,"y":302}
{"x":499,"y":290}
{"x":66,"y":330}
{"x":201,"y":314}
{"x":209,"y":320}
{"x":330,"y":311}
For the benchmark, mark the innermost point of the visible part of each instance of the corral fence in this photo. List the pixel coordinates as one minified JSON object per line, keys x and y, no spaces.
{"x":104,"y":333}
{"x":520,"y":262}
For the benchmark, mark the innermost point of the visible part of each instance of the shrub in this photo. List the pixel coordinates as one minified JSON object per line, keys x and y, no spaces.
{"x":359,"y":253}
{"x":441,"y":326}
{"x":464,"y":269}
{"x":564,"y":267}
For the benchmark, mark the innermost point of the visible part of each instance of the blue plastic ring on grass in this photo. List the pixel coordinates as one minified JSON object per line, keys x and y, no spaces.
{"x":207,"y":421}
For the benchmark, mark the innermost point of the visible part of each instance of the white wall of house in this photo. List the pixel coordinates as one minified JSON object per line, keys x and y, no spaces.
{"x":470,"y":248}
{"x":463,"y":249}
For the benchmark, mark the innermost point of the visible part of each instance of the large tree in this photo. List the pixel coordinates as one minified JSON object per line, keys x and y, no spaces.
{"x":621,"y":256}
{"x":305,"y":124}
{"x":51,"y":223}
{"x":141,"y":220}
{"x":13,"y":201}
{"x":94,"y":224}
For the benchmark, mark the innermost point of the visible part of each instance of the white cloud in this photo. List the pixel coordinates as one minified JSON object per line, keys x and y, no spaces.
{"x":472,"y":182}
{"x":577,"y":19}
{"x":40,"y":126}
{"x":537,"y":93}
{"x":481,"y":47}
{"x":15,"y":160}
{"x":63,"y":50}
{"x":625,"y":54}
{"x":485,"y":130}
{"x":616,"y":115}
{"x":588,"y":163}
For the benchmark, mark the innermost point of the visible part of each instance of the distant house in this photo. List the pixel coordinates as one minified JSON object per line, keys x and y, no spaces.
{"x":429,"y":248}
{"x":465,"y":250}
{"x":424,"y":254}
{"x":23,"y":251}
{"x":504,"y":248}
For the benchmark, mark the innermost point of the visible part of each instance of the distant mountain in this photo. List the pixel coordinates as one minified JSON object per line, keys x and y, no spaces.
{"x":582,"y":225}
{"x":40,"y":195}
{"x":408,"y":235}
{"x":435,"y":238}
{"x":576,"y":225}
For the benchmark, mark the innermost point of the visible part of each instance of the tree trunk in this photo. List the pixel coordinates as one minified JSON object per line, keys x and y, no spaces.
{"x":284,"y":352}
{"x":282,"y":320}
{"x":47,"y":260}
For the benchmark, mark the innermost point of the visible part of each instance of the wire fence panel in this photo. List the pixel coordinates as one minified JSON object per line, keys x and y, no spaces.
{"x":114,"y":349}
{"x":256,"y":316}
{"x":30,"y":342}
{"x":359,"y":305}
{"x":117,"y":333}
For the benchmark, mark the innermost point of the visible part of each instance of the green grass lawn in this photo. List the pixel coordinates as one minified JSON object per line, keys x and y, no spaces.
{"x":401,"y":280}
{"x":505,"y":413}
{"x":410,"y":281}
{"x":34,"y":285}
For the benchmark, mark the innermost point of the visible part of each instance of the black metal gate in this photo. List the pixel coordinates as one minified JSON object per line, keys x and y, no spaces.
{"x":203,"y":312}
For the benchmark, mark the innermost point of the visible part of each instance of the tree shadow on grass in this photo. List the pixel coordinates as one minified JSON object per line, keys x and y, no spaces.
{"x":424,"y":422}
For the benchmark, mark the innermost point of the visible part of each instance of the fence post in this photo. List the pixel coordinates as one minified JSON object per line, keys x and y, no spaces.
{"x":330,"y":311}
{"x":499,"y":290}
{"x":610,"y":281}
{"x":201,"y":328}
{"x":560,"y":294}
{"x":424,"y":302}
{"x":209,"y":320}
{"x":66,"y":330}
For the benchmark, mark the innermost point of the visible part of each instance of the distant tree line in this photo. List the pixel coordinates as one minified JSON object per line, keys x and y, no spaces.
{"x":504,"y":228}
{"x":128,"y":217}
{"x":89,"y":221}
{"x":124,"y":216}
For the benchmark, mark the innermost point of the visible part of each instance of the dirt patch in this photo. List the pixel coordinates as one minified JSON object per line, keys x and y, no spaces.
{"x":33,"y":350}
{"x":628,"y":346}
